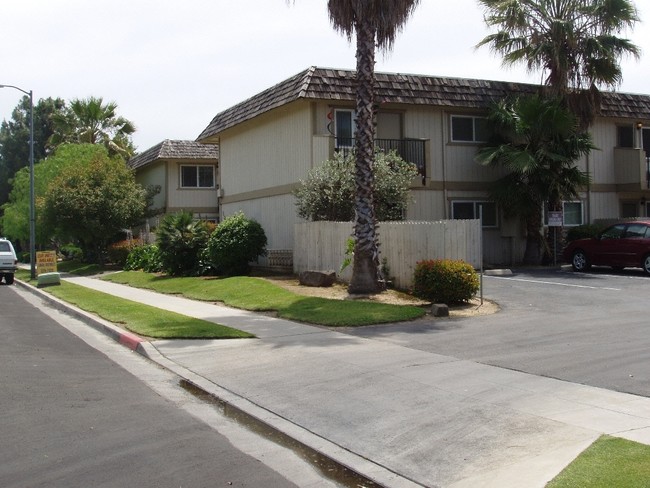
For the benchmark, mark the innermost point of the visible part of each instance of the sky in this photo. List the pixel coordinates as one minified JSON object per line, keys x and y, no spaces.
{"x":171,"y":66}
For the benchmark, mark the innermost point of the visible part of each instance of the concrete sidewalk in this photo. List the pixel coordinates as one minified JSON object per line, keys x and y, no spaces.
{"x":398,"y":416}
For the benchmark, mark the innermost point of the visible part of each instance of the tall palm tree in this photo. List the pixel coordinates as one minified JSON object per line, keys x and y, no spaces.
{"x":573,"y":42}
{"x":92,"y":121}
{"x":375,"y":23}
{"x":537,"y":141}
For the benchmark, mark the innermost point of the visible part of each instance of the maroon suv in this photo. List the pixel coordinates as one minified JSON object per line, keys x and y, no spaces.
{"x":622,"y":245}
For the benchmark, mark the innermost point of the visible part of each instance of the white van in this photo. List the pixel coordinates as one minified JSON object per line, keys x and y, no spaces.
{"x":8,"y":261}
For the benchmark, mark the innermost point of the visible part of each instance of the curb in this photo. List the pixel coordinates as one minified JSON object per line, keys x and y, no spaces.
{"x":124,"y":337}
{"x":364,"y":471}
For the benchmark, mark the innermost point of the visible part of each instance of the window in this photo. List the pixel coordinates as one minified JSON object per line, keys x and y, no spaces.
{"x":197,"y":176}
{"x":468,"y":129}
{"x":629,"y":210}
{"x":572,"y":214}
{"x":645,"y":141}
{"x":637,"y":231}
{"x":625,"y":136}
{"x":344,"y":128}
{"x":463,"y":210}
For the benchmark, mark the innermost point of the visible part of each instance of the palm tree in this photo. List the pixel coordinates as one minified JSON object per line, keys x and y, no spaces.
{"x":91,"y":121}
{"x":573,"y":42}
{"x":537,"y":141}
{"x":375,"y":23}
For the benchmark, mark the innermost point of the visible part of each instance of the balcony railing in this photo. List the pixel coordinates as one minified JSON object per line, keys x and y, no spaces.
{"x":410,"y":150}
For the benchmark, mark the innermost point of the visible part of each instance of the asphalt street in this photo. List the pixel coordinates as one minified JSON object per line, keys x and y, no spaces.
{"x":72,"y":417}
{"x":589,"y":328}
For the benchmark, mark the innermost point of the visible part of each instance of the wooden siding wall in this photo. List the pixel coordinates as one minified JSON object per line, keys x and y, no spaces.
{"x":273,"y":151}
{"x":321,"y":245}
{"x":275,"y":214}
{"x":154,"y":175}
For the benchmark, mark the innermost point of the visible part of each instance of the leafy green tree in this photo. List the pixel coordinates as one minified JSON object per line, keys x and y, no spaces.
{"x":14,"y":138}
{"x":573,"y":42}
{"x":91,"y":121}
{"x":537,"y":141}
{"x":94,"y":202}
{"x":375,"y":23}
{"x":235,"y":242}
{"x":328,"y":191}
{"x":181,"y":240}
{"x":16,"y":211}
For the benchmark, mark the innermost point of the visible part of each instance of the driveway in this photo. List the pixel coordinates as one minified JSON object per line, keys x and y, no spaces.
{"x":590,"y":328}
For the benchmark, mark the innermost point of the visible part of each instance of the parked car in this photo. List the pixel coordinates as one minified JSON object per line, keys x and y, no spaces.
{"x":8,"y":261}
{"x":622,"y":245}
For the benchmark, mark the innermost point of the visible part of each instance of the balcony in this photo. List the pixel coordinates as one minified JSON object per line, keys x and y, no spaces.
{"x":410,"y":150}
{"x":632,"y":169}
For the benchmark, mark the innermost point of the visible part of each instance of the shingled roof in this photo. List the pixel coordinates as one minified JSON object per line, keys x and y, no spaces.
{"x":334,"y":84}
{"x":180,"y":150}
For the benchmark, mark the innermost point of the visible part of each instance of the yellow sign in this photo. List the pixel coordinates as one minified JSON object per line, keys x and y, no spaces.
{"x":46,"y":262}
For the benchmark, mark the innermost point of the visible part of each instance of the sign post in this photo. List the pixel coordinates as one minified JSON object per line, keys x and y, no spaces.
{"x":555,"y":220}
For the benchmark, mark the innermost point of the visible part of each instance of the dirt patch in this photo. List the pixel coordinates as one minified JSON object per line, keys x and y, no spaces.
{"x":339,"y":291}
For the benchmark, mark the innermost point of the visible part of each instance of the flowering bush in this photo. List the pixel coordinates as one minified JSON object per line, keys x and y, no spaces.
{"x":119,"y":251}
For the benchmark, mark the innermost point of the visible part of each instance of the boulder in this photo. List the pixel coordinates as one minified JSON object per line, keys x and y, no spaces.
{"x":439,"y":310}
{"x":317,"y":278}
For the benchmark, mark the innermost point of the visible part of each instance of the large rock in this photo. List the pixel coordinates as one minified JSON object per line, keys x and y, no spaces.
{"x":317,"y":278}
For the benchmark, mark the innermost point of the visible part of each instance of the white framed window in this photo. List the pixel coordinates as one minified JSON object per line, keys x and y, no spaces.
{"x":468,"y":128}
{"x":572,"y":214}
{"x":474,"y":209}
{"x":197,"y":176}
{"x":344,"y":127}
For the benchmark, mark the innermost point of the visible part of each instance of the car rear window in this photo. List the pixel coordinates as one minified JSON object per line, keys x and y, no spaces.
{"x":4,"y":247}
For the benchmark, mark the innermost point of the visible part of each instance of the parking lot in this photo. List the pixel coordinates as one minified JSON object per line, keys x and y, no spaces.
{"x":590,"y":328}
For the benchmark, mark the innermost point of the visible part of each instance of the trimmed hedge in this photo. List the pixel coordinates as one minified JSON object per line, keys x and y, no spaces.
{"x":445,"y":281}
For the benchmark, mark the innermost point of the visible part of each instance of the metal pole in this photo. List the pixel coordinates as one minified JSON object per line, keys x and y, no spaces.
{"x":32,"y":218}
{"x":32,"y":211}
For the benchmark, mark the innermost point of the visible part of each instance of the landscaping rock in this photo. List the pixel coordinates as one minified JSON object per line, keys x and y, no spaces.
{"x":439,"y":310}
{"x":317,"y":278}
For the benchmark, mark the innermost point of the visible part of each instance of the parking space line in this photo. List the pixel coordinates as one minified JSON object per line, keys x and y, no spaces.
{"x":556,"y":283}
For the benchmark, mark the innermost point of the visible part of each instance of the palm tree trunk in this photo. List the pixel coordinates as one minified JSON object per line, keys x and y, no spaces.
{"x":366,"y":255}
{"x":534,"y":239}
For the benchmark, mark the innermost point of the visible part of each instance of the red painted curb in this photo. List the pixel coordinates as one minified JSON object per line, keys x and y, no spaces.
{"x":131,"y":341}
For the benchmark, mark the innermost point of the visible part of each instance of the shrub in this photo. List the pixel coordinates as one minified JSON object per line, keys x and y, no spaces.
{"x":445,"y":281}
{"x":181,"y":239}
{"x":70,"y":251}
{"x":583,"y":231}
{"x":328,"y":192}
{"x":119,"y":251}
{"x":145,"y":258}
{"x":235,"y":242}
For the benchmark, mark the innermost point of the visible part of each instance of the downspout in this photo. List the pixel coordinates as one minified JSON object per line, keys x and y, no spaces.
{"x":444,"y":164}
{"x":588,"y":168}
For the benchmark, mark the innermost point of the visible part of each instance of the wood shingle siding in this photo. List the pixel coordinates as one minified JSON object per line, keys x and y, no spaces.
{"x":339,"y":85}
{"x":176,"y":150}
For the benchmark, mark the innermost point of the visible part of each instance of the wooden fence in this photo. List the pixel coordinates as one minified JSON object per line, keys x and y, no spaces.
{"x":322,"y":245}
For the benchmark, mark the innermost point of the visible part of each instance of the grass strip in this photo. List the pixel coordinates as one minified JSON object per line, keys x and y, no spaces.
{"x":608,"y":462}
{"x":256,"y":294}
{"x":142,"y":319}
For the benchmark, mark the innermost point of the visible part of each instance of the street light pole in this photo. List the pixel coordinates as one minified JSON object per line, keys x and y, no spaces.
{"x":32,"y":213}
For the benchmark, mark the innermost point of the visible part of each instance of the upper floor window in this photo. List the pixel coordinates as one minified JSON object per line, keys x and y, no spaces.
{"x":464,"y":209}
{"x":344,"y":127}
{"x":197,"y":176}
{"x":466,"y":128}
{"x":625,"y":136}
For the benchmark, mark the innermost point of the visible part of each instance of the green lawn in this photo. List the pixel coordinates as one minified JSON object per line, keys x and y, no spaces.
{"x":136,"y":317}
{"x":609,"y":462}
{"x":256,"y":294}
